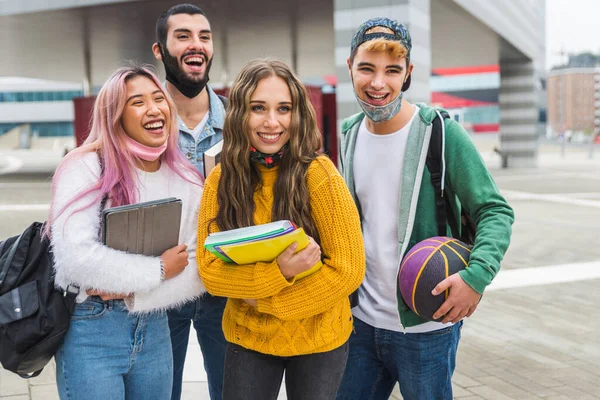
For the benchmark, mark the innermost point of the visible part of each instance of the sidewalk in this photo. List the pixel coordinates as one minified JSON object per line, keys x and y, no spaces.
{"x":526,"y":343}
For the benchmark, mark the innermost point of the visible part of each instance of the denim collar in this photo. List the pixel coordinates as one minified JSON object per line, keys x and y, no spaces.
{"x":216,"y":111}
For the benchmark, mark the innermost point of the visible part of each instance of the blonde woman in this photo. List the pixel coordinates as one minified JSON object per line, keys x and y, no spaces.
{"x":270,"y":171}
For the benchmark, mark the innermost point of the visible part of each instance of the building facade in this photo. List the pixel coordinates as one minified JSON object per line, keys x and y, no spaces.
{"x":39,"y":108}
{"x":573,"y":99}
{"x":93,"y":37}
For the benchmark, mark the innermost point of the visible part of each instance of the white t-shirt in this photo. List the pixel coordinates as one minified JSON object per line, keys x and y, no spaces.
{"x":197,"y":130}
{"x":378,"y":164}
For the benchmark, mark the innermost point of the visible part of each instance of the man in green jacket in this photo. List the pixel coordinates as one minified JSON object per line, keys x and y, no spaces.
{"x":383,"y":155}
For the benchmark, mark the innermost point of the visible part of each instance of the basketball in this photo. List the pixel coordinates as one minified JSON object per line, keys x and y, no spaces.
{"x":428,"y":263}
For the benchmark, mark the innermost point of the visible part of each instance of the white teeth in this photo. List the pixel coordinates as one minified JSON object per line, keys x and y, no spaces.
{"x":195,"y":59}
{"x":377,"y":97}
{"x":154,"y":125}
{"x":268,"y":137}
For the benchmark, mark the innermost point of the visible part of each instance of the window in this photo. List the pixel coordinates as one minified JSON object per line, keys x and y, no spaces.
{"x":45,"y":129}
{"x":66,"y":95}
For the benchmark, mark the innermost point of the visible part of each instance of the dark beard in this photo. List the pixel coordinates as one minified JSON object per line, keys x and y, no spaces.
{"x":190,"y":88}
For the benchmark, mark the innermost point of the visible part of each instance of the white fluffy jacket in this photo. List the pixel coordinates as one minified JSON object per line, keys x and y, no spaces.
{"x":81,"y":259}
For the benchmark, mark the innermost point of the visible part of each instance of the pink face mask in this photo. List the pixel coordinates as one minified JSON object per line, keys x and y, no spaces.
{"x":144,"y":152}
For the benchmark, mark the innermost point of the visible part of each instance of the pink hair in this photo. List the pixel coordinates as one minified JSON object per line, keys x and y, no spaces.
{"x":118,"y":180}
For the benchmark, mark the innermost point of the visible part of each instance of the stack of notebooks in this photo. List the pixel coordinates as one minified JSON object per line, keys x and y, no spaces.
{"x":259,"y":243}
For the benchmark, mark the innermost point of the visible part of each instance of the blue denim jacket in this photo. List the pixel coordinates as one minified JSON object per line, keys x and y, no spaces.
{"x":210,"y":135}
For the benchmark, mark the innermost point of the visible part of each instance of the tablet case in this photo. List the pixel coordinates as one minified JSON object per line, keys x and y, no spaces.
{"x":147,"y":228}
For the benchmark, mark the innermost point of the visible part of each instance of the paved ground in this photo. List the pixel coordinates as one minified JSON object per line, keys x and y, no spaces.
{"x":535,"y":334}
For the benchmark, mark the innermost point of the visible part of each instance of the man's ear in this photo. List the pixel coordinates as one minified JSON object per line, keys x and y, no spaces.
{"x":349,"y":66}
{"x":156,"y":51}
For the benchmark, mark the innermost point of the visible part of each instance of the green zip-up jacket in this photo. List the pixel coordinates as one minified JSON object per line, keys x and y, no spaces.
{"x":468,"y":184}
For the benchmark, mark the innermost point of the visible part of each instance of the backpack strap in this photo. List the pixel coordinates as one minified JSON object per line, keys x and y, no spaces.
{"x":443,"y":210}
{"x":434,"y":165}
{"x":2,"y":244}
{"x":8,"y":260}
{"x":32,"y":375}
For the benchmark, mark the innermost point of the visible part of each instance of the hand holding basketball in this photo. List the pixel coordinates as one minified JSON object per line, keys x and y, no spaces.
{"x":428,"y":264}
{"x":461,"y":302}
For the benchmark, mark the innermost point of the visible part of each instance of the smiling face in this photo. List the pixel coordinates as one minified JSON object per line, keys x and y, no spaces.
{"x":378,"y":77}
{"x":270,"y":115}
{"x":189,"y":47}
{"x":146,"y":117}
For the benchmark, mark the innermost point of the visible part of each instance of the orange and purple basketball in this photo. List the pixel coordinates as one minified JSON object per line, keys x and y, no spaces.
{"x":428,"y":263}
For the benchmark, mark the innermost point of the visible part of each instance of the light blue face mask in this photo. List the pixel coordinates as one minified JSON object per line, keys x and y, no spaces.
{"x":381,"y":113}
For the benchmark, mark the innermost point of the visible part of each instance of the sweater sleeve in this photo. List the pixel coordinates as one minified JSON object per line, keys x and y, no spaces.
{"x":79,"y":257}
{"x":338,"y":224}
{"x":253,"y":281}
{"x":478,"y":194}
{"x":187,"y":285}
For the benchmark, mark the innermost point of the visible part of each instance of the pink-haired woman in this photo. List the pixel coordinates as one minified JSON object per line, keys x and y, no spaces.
{"x":118,"y":345}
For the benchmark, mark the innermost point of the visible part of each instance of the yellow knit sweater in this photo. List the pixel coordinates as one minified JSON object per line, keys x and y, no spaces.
{"x":293,"y":317}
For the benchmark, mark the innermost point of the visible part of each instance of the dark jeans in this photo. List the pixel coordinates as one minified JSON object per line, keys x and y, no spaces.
{"x":255,"y":376}
{"x":207,"y":315}
{"x":423,"y":363}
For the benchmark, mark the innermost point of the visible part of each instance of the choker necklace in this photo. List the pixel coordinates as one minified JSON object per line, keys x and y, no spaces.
{"x":267,"y":160}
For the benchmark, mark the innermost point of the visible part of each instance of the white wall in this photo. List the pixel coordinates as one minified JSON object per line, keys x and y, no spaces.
{"x":10,"y":7}
{"x":46,"y":45}
{"x":49,"y":45}
{"x":459,"y":39}
{"x":520,"y":22}
{"x":32,"y":111}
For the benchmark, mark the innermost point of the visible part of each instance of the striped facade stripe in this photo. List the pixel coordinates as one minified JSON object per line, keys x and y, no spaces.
{"x":467,"y":70}
{"x":518,"y":113}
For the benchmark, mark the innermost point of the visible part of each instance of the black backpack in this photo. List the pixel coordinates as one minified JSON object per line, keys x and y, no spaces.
{"x":442,"y":205}
{"x":34,"y":315}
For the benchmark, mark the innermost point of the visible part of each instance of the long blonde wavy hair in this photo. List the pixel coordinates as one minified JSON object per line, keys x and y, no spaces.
{"x":240,"y":178}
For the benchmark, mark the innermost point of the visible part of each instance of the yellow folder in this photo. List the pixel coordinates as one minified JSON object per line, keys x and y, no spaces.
{"x":268,"y":250}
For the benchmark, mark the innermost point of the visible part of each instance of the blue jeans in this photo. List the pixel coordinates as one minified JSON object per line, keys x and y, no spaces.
{"x":423,"y":363}
{"x":207,"y":315}
{"x":111,"y":354}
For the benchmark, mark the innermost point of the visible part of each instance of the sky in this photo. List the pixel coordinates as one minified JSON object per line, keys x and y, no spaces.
{"x":571,"y":26}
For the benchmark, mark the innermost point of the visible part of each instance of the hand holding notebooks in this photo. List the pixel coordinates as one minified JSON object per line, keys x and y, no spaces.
{"x":148,"y":228}
{"x":259,"y":243}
